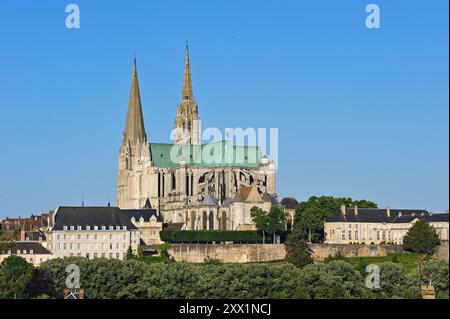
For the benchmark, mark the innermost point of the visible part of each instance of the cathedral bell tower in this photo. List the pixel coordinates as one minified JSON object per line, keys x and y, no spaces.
{"x":187,"y":122}
{"x":134,"y":151}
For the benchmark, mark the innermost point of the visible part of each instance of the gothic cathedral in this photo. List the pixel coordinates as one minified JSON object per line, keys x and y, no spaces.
{"x":204,"y":186}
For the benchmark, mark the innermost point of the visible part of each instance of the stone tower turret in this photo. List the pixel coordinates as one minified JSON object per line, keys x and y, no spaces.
{"x":187,"y":122}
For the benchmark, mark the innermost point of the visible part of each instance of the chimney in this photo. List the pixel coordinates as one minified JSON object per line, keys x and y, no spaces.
{"x":388,"y":212}
{"x":343,"y":209}
{"x":355,"y":209}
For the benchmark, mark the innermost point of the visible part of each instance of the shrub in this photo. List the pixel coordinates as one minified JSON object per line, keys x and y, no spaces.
{"x":362,"y":265}
{"x":437,"y":272}
{"x":337,"y":256}
{"x":392,"y":279}
{"x":212,"y":261}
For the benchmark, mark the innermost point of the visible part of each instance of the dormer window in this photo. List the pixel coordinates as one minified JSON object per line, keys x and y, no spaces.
{"x":72,"y":227}
{"x":88,"y":227}
{"x":124,"y":227}
{"x":79,"y":227}
{"x":117,"y":227}
{"x":95,"y":227}
{"x":111,"y":227}
{"x":103,"y":227}
{"x":64,"y":227}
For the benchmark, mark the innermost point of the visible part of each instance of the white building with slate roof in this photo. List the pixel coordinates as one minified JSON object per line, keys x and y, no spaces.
{"x":373,"y":225}
{"x":92,"y":232}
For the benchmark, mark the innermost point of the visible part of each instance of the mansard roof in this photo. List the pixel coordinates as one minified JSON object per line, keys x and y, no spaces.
{"x":289,"y":203}
{"x":376,"y":215}
{"x":193,"y":155}
{"x":443,"y":217}
{"x":29,"y":246}
{"x":91,"y":216}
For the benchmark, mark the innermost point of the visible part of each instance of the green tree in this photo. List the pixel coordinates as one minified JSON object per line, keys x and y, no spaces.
{"x":312,"y":221}
{"x":362,"y":265}
{"x":15,"y":275}
{"x":129,"y":254}
{"x":260,"y":219}
{"x":311,"y":214}
{"x":436,"y":272}
{"x":421,"y":238}
{"x":297,"y":249}
{"x":40,"y":285}
{"x":363,"y":203}
{"x":277,"y":221}
{"x":392,"y":280}
{"x":270,"y":223}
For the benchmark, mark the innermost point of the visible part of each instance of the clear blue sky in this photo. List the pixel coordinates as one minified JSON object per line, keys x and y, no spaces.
{"x":361,"y":113}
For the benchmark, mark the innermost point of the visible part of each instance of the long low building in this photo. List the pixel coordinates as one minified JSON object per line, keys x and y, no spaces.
{"x":92,"y":232}
{"x":32,"y":251}
{"x":373,"y":225}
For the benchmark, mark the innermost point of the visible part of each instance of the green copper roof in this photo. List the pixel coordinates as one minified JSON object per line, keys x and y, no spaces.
{"x":217,"y":154}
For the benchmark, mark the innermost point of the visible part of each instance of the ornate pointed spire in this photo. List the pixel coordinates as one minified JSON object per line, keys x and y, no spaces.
{"x":134,"y":127}
{"x":187,"y":84}
{"x":187,"y":121}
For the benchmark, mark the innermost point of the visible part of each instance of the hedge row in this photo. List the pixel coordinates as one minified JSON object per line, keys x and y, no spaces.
{"x":203,"y":236}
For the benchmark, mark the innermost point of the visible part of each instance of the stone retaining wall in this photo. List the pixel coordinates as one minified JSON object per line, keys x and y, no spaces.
{"x":245,"y":253}
{"x":232,"y":253}
{"x":322,"y":251}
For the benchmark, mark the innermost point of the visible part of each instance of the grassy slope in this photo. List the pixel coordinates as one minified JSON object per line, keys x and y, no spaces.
{"x":407,"y":260}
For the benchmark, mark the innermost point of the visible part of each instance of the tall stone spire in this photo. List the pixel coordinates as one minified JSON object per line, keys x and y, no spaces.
{"x":187,"y":122}
{"x":134,"y":127}
{"x":187,"y":84}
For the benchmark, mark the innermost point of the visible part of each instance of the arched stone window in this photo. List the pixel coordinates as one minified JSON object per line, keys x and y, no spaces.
{"x":193,"y":217}
{"x":211,"y":220}
{"x":205,"y":221}
{"x":174,"y":181}
{"x":223,"y":221}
